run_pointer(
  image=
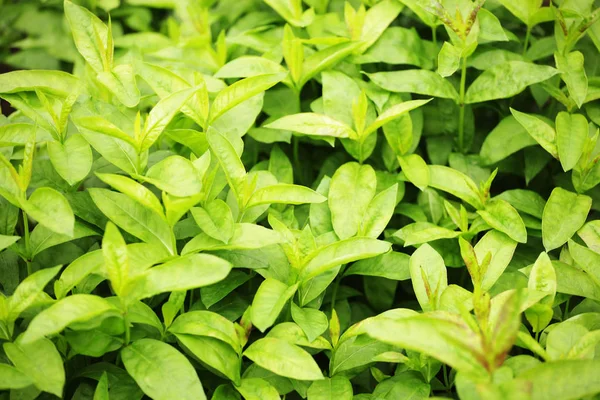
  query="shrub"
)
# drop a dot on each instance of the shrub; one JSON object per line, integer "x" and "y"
{"x": 333, "y": 200}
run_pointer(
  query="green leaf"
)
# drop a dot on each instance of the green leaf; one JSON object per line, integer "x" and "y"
{"x": 162, "y": 114}
{"x": 571, "y": 135}
{"x": 543, "y": 133}
{"x": 257, "y": 389}
{"x": 508, "y": 137}
{"x": 51, "y": 209}
{"x": 71, "y": 159}
{"x": 377, "y": 19}
{"x": 338, "y": 387}
{"x": 175, "y": 175}
{"x": 228, "y": 159}
{"x": 526, "y": 201}
{"x": 456, "y": 183}
{"x": 448, "y": 60}
{"x": 7, "y": 241}
{"x": 573, "y": 73}
{"x": 392, "y": 265}
{"x": 213, "y": 353}
{"x": 283, "y": 193}
{"x": 554, "y": 379}
{"x": 379, "y": 212}
{"x": 542, "y": 278}
{"x": 499, "y": 214}
{"x": 248, "y": 66}
{"x": 507, "y": 80}
{"x": 501, "y": 248}
{"x": 245, "y": 237}
{"x": 269, "y": 300}
{"x": 120, "y": 80}
{"x": 54, "y": 82}
{"x": 40, "y": 362}
{"x": 90, "y": 35}
{"x": 342, "y": 252}
{"x": 437, "y": 334}
{"x": 394, "y": 112}
{"x": 347, "y": 212}
{"x": 419, "y": 81}
{"x": 208, "y": 324}
{"x": 564, "y": 213}
{"x": 313, "y": 322}
{"x": 586, "y": 259}
{"x": 133, "y": 218}
{"x": 313, "y": 125}
{"x": 415, "y": 169}
{"x": 240, "y": 91}
{"x": 12, "y": 378}
{"x": 29, "y": 289}
{"x": 161, "y": 371}
{"x": 428, "y": 275}
{"x": 133, "y": 190}
{"x": 116, "y": 260}
{"x": 284, "y": 359}
{"x": 71, "y": 309}
{"x": 183, "y": 273}
{"x": 324, "y": 59}
{"x": 215, "y": 219}
{"x": 101, "y": 392}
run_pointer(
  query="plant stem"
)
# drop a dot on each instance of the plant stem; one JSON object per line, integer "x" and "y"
{"x": 27, "y": 245}
{"x": 527, "y": 37}
{"x": 434, "y": 36}
{"x": 446, "y": 381}
{"x": 461, "y": 105}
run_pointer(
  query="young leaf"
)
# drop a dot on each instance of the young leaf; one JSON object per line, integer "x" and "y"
{"x": 270, "y": 298}
{"x": 313, "y": 125}
{"x": 347, "y": 211}
{"x": 506, "y": 80}
{"x": 71, "y": 159}
{"x": 51, "y": 209}
{"x": 284, "y": 359}
{"x": 499, "y": 214}
{"x": 133, "y": 218}
{"x": 215, "y": 219}
{"x": 415, "y": 169}
{"x": 175, "y": 175}
{"x": 428, "y": 275}
{"x": 417, "y": 81}
{"x": 71, "y": 309}
{"x": 183, "y": 273}
{"x": 41, "y": 362}
{"x": 241, "y": 91}
{"x": 543, "y": 133}
{"x": 338, "y": 387}
{"x": 284, "y": 194}
{"x": 564, "y": 213}
{"x": 573, "y": 73}
{"x": 571, "y": 134}
{"x": 161, "y": 371}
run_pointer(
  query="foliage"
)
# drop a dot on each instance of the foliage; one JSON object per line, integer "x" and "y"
{"x": 324, "y": 199}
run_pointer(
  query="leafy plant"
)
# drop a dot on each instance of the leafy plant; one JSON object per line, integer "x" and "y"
{"x": 323, "y": 199}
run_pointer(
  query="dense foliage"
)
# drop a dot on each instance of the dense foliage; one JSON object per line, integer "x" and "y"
{"x": 332, "y": 200}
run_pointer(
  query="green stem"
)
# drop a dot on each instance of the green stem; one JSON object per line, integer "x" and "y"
{"x": 461, "y": 105}
{"x": 446, "y": 380}
{"x": 434, "y": 36}
{"x": 527, "y": 38}
{"x": 27, "y": 245}
{"x": 566, "y": 312}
